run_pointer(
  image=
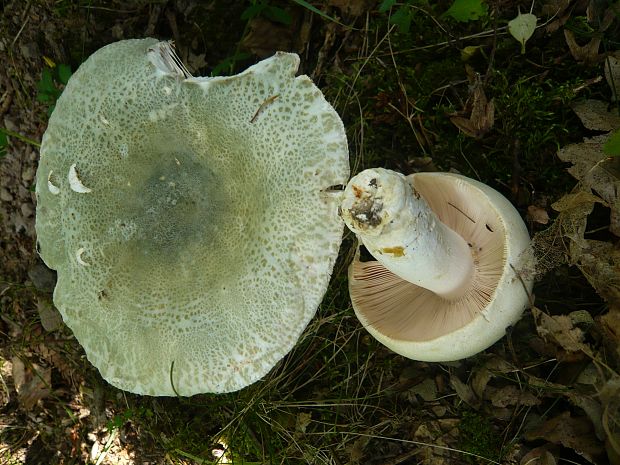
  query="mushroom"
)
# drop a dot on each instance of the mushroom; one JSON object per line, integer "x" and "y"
{"x": 442, "y": 285}
{"x": 192, "y": 221}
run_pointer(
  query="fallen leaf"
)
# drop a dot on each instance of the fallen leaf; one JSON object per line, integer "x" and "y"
{"x": 6, "y": 370}
{"x": 356, "y": 450}
{"x": 482, "y": 116}
{"x": 572, "y": 432}
{"x": 265, "y": 37}
{"x": 561, "y": 329}
{"x": 590, "y": 404}
{"x": 511, "y": 395}
{"x": 610, "y": 397}
{"x": 610, "y": 330}
{"x": 587, "y": 53}
{"x": 427, "y": 390}
{"x": 590, "y": 375}
{"x": 537, "y": 214}
{"x": 50, "y": 317}
{"x": 32, "y": 382}
{"x": 585, "y": 156}
{"x": 443, "y": 433}
{"x": 302, "y": 421}
{"x": 557, "y": 12}
{"x": 562, "y": 242}
{"x": 465, "y": 393}
{"x": 612, "y": 74}
{"x": 539, "y": 456}
{"x": 600, "y": 263}
{"x": 594, "y": 114}
{"x": 590, "y": 164}
{"x": 482, "y": 375}
{"x": 574, "y": 210}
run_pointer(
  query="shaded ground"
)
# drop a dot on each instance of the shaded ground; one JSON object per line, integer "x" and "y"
{"x": 418, "y": 90}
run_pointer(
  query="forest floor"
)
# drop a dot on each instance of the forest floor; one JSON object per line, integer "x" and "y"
{"x": 420, "y": 86}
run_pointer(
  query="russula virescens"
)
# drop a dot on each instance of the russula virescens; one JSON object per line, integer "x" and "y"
{"x": 443, "y": 286}
{"x": 191, "y": 220}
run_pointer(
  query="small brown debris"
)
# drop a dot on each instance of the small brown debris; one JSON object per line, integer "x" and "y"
{"x": 537, "y": 214}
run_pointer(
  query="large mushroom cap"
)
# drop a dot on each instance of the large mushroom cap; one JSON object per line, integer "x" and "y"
{"x": 190, "y": 219}
{"x": 421, "y": 325}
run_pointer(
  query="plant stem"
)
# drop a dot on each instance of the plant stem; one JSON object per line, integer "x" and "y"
{"x": 20, "y": 137}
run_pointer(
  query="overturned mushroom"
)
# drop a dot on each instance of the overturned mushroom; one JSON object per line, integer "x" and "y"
{"x": 443, "y": 286}
{"x": 194, "y": 235}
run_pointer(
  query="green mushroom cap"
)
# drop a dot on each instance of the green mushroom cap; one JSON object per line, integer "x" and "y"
{"x": 190, "y": 219}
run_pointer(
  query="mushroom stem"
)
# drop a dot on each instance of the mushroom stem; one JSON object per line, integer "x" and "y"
{"x": 400, "y": 230}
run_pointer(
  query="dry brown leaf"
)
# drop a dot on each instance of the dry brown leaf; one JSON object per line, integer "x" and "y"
{"x": 595, "y": 115}
{"x": 612, "y": 74}
{"x": 50, "y": 317}
{"x": 443, "y": 432}
{"x": 465, "y": 393}
{"x": 561, "y": 329}
{"x": 610, "y": 330}
{"x": 590, "y": 375}
{"x": 539, "y": 456}
{"x": 302, "y": 420}
{"x": 555, "y": 9}
{"x": 356, "y": 450}
{"x": 610, "y": 397}
{"x": 6, "y": 370}
{"x": 482, "y": 115}
{"x": 600, "y": 263}
{"x": 510, "y": 395}
{"x": 265, "y": 37}
{"x": 592, "y": 407}
{"x": 574, "y": 210}
{"x": 580, "y": 200}
{"x": 537, "y": 214}
{"x": 609, "y": 15}
{"x": 32, "y": 382}
{"x": 573, "y": 432}
{"x": 550, "y": 247}
{"x": 427, "y": 390}
{"x": 591, "y": 166}
{"x": 483, "y": 374}
{"x": 584, "y": 156}
{"x": 587, "y": 53}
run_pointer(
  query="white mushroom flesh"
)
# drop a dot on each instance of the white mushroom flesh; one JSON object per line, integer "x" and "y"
{"x": 397, "y": 226}
{"x": 75, "y": 183}
{"x": 78, "y": 257}
{"x": 50, "y": 185}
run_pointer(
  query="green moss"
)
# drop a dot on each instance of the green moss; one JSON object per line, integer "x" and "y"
{"x": 478, "y": 437}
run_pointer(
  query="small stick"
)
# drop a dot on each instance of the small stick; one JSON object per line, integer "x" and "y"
{"x": 263, "y": 105}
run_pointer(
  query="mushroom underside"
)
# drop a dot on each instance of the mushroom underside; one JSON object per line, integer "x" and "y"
{"x": 403, "y": 311}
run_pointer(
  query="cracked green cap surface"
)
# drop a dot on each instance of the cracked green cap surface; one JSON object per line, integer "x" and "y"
{"x": 190, "y": 219}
